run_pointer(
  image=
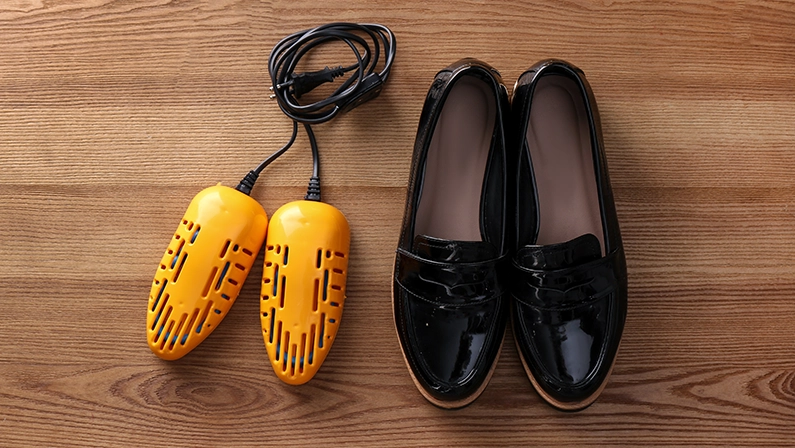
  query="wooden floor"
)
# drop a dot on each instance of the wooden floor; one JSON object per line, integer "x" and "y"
{"x": 114, "y": 114}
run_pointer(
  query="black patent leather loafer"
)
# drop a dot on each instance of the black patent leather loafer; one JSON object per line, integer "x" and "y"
{"x": 448, "y": 288}
{"x": 569, "y": 273}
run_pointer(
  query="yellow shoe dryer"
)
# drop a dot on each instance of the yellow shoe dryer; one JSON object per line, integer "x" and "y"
{"x": 206, "y": 264}
{"x": 203, "y": 269}
{"x": 303, "y": 287}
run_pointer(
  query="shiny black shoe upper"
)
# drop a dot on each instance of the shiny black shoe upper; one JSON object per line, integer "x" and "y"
{"x": 570, "y": 285}
{"x": 448, "y": 290}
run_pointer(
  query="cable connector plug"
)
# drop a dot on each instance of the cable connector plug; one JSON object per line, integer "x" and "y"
{"x": 247, "y": 183}
{"x": 303, "y": 83}
{"x": 313, "y": 191}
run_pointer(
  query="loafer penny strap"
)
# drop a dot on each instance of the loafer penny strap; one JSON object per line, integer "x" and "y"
{"x": 450, "y": 283}
{"x": 567, "y": 288}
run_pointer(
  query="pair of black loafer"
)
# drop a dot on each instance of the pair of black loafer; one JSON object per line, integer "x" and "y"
{"x": 510, "y": 215}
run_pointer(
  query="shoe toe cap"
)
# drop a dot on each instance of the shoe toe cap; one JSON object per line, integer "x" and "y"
{"x": 567, "y": 351}
{"x": 451, "y": 350}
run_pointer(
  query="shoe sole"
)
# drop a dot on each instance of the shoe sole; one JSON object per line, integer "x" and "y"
{"x": 435, "y": 401}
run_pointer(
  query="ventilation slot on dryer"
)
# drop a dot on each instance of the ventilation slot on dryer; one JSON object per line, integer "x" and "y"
{"x": 163, "y": 324}
{"x": 177, "y": 331}
{"x": 187, "y": 331}
{"x": 311, "y": 358}
{"x": 195, "y": 234}
{"x": 204, "y": 315}
{"x": 160, "y": 312}
{"x": 159, "y": 294}
{"x": 179, "y": 268}
{"x": 221, "y": 278}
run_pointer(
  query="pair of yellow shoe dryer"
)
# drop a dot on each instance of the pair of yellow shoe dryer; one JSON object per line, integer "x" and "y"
{"x": 210, "y": 256}
{"x": 306, "y": 242}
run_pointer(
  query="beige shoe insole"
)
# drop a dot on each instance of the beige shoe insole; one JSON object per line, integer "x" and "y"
{"x": 449, "y": 204}
{"x": 558, "y": 135}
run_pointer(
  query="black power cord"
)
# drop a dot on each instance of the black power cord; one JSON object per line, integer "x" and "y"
{"x": 288, "y": 87}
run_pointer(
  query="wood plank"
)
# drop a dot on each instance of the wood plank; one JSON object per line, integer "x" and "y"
{"x": 114, "y": 114}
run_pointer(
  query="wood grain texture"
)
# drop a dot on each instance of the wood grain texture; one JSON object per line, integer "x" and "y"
{"x": 114, "y": 114}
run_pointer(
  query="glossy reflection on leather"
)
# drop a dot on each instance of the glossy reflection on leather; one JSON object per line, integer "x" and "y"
{"x": 448, "y": 344}
{"x": 449, "y": 287}
{"x": 569, "y": 295}
{"x": 569, "y": 344}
